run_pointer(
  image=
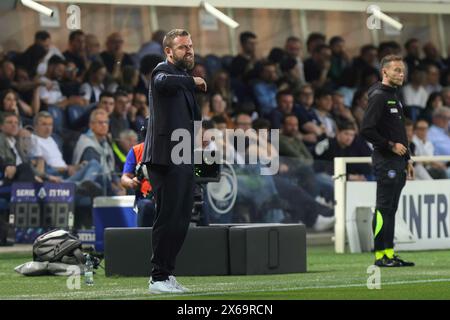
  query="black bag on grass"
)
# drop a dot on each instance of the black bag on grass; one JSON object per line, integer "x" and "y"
{"x": 58, "y": 246}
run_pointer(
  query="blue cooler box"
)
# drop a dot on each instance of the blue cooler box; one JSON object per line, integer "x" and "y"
{"x": 112, "y": 212}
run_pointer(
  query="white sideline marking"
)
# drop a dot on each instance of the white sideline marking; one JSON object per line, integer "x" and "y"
{"x": 306, "y": 288}
{"x": 146, "y": 294}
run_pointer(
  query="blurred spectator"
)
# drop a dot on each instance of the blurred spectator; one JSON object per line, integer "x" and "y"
{"x": 363, "y": 65}
{"x": 433, "y": 76}
{"x": 114, "y": 57}
{"x": 44, "y": 39}
{"x": 412, "y": 58}
{"x": 51, "y": 93}
{"x": 200, "y": 70}
{"x": 310, "y": 124}
{"x": 92, "y": 48}
{"x": 414, "y": 93}
{"x": 28, "y": 90}
{"x": 294, "y": 50}
{"x": 121, "y": 146}
{"x": 424, "y": 147}
{"x": 343, "y": 145}
{"x": 10, "y": 102}
{"x": 127, "y": 81}
{"x": 139, "y": 111}
{"x": 218, "y": 107}
{"x": 434, "y": 101}
{"x": 339, "y": 58}
{"x": 15, "y": 165}
{"x": 285, "y": 107}
{"x": 265, "y": 88}
{"x": 76, "y": 52}
{"x": 119, "y": 117}
{"x": 290, "y": 76}
{"x": 244, "y": 62}
{"x": 359, "y": 106}
{"x": 93, "y": 86}
{"x": 446, "y": 96}
{"x": 323, "y": 104}
{"x": 318, "y": 66}
{"x": 7, "y": 74}
{"x": 153, "y": 47}
{"x": 314, "y": 40}
{"x": 45, "y": 149}
{"x": 221, "y": 84}
{"x": 147, "y": 64}
{"x": 70, "y": 86}
{"x": 432, "y": 56}
{"x": 387, "y": 48}
{"x": 439, "y": 131}
{"x": 31, "y": 58}
{"x": 339, "y": 110}
{"x": 94, "y": 145}
{"x": 106, "y": 103}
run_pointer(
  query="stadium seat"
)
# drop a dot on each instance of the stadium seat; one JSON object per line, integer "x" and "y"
{"x": 58, "y": 118}
{"x": 74, "y": 112}
{"x": 213, "y": 64}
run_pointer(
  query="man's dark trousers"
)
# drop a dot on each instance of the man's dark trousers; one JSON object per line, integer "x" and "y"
{"x": 390, "y": 173}
{"x": 173, "y": 186}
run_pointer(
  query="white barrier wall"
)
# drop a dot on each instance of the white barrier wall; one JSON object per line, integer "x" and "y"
{"x": 424, "y": 207}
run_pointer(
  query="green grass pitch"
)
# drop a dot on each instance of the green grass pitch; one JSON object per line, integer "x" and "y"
{"x": 329, "y": 276}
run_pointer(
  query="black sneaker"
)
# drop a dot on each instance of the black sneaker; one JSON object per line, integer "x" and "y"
{"x": 403, "y": 263}
{"x": 386, "y": 262}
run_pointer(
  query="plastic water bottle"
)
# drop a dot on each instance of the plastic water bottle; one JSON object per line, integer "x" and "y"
{"x": 89, "y": 271}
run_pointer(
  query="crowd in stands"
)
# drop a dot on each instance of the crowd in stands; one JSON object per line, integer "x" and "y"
{"x": 72, "y": 114}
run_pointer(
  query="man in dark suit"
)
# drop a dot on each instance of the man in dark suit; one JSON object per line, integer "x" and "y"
{"x": 172, "y": 107}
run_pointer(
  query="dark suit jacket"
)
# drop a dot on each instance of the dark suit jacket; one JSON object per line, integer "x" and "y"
{"x": 172, "y": 106}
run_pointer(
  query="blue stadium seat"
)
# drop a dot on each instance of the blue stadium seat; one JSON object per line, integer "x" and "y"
{"x": 213, "y": 64}
{"x": 74, "y": 112}
{"x": 226, "y": 62}
{"x": 58, "y": 118}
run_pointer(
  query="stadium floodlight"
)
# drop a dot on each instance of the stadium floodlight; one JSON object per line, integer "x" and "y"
{"x": 384, "y": 17}
{"x": 38, "y": 7}
{"x": 220, "y": 15}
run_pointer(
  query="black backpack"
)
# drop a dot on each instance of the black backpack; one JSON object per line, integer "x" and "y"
{"x": 58, "y": 246}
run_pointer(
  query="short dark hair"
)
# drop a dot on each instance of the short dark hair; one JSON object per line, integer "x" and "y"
{"x": 345, "y": 125}
{"x": 388, "y": 59}
{"x": 366, "y": 48}
{"x": 288, "y": 116}
{"x": 41, "y": 35}
{"x": 261, "y": 123}
{"x": 120, "y": 93}
{"x": 283, "y": 93}
{"x": 321, "y": 47}
{"x": 5, "y": 115}
{"x": 218, "y": 119}
{"x": 315, "y": 36}
{"x": 106, "y": 94}
{"x": 245, "y": 36}
{"x": 293, "y": 39}
{"x": 172, "y": 34}
{"x": 335, "y": 39}
{"x": 320, "y": 93}
{"x": 75, "y": 34}
{"x": 55, "y": 59}
{"x": 409, "y": 122}
{"x": 409, "y": 42}
{"x": 149, "y": 62}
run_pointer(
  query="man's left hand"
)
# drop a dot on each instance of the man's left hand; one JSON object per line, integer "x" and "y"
{"x": 410, "y": 170}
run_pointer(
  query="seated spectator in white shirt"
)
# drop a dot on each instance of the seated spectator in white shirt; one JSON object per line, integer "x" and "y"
{"x": 439, "y": 131}
{"x": 323, "y": 106}
{"x": 414, "y": 93}
{"x": 424, "y": 147}
{"x": 50, "y": 159}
